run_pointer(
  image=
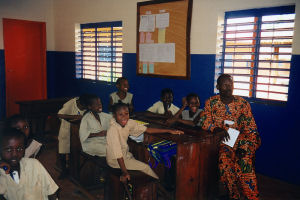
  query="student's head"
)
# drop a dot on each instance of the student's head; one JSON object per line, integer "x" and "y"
{"x": 12, "y": 146}
{"x": 121, "y": 113}
{"x": 166, "y": 96}
{"x": 122, "y": 84}
{"x": 225, "y": 85}
{"x": 20, "y": 123}
{"x": 82, "y": 101}
{"x": 93, "y": 103}
{"x": 193, "y": 102}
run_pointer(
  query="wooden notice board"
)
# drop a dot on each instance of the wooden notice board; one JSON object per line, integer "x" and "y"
{"x": 163, "y": 38}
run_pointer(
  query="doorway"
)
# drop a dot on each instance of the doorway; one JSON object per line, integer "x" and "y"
{"x": 25, "y": 62}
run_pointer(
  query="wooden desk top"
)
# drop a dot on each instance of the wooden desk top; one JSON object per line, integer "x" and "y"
{"x": 44, "y": 101}
{"x": 191, "y": 134}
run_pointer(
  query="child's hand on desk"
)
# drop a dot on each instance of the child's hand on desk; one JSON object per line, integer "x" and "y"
{"x": 5, "y": 167}
{"x": 77, "y": 117}
{"x": 124, "y": 177}
{"x": 175, "y": 132}
{"x": 170, "y": 121}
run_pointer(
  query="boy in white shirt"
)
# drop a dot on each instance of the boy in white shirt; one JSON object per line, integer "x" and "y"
{"x": 165, "y": 106}
{"x": 22, "y": 178}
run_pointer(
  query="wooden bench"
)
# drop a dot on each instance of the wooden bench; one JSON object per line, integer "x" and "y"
{"x": 85, "y": 170}
{"x": 144, "y": 186}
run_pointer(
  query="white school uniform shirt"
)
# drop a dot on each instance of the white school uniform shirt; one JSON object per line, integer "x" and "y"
{"x": 69, "y": 108}
{"x": 158, "y": 108}
{"x": 117, "y": 137}
{"x": 116, "y": 98}
{"x": 35, "y": 182}
{"x": 186, "y": 115}
{"x": 89, "y": 124}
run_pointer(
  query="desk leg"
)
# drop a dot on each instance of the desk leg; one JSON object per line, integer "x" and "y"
{"x": 187, "y": 171}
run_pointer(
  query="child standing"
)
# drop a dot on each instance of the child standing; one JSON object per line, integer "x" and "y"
{"x": 93, "y": 128}
{"x": 122, "y": 95}
{"x": 72, "y": 110}
{"x": 26, "y": 177}
{"x": 118, "y": 155}
{"x": 20, "y": 123}
{"x": 189, "y": 117}
{"x": 165, "y": 106}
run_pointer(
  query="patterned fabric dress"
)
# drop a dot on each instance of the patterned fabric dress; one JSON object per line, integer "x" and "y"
{"x": 237, "y": 174}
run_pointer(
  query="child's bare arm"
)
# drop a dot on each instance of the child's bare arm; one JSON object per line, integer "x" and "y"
{"x": 125, "y": 175}
{"x": 159, "y": 130}
{"x": 184, "y": 105}
{"x": 99, "y": 134}
{"x": 186, "y": 122}
{"x": 69, "y": 117}
{"x": 151, "y": 114}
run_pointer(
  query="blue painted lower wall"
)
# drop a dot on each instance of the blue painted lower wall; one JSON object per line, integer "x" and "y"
{"x": 279, "y": 155}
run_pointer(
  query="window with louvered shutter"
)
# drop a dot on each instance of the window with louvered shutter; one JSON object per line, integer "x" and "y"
{"x": 99, "y": 51}
{"x": 256, "y": 49}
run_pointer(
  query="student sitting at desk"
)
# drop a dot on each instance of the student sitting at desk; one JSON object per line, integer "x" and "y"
{"x": 122, "y": 95}
{"x": 93, "y": 128}
{"x": 224, "y": 114}
{"x": 118, "y": 155}
{"x": 20, "y": 123}
{"x": 165, "y": 106}
{"x": 22, "y": 178}
{"x": 189, "y": 117}
{"x": 71, "y": 110}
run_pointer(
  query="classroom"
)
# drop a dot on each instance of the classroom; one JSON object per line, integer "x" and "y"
{"x": 276, "y": 120}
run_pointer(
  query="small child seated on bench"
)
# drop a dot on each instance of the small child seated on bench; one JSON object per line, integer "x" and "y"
{"x": 117, "y": 154}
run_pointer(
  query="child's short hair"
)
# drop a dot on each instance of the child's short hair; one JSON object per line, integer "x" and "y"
{"x": 118, "y": 106}
{"x": 14, "y": 119}
{"x": 166, "y": 91}
{"x": 119, "y": 80}
{"x": 192, "y": 95}
{"x": 90, "y": 98}
{"x": 9, "y": 133}
{"x": 83, "y": 99}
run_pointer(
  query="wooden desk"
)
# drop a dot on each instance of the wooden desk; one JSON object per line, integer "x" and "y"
{"x": 37, "y": 111}
{"x": 196, "y": 159}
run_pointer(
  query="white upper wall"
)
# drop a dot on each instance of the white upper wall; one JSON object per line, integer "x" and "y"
{"x": 205, "y": 17}
{"x": 62, "y": 15}
{"x": 33, "y": 10}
